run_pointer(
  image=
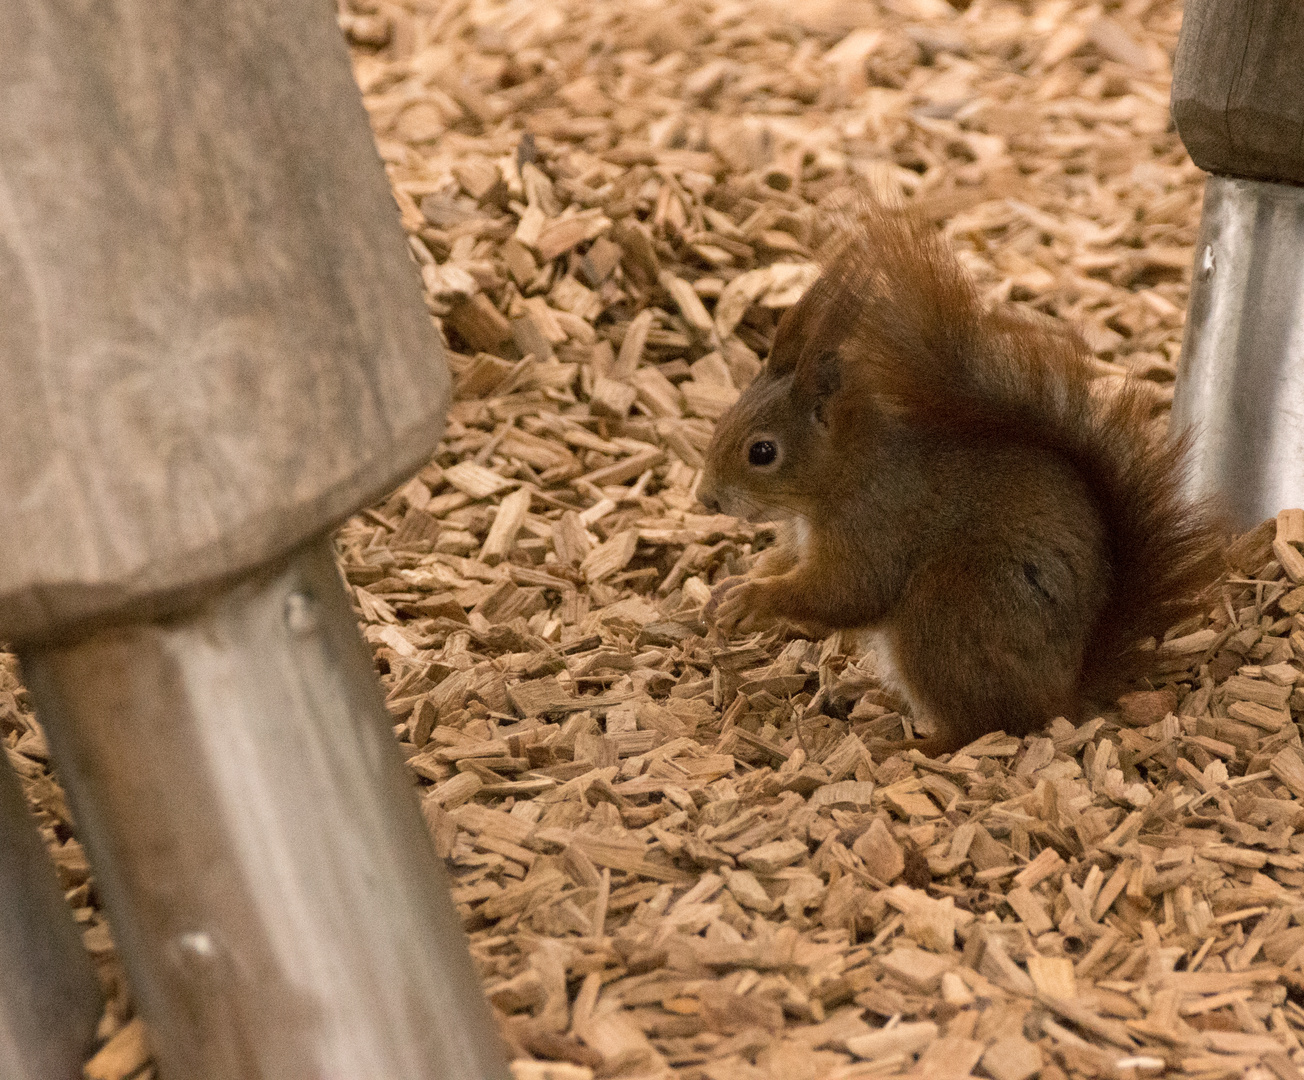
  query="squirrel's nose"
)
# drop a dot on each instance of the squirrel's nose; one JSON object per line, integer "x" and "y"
{"x": 707, "y": 497}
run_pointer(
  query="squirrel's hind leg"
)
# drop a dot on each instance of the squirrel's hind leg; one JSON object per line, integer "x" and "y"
{"x": 943, "y": 739}
{"x": 978, "y": 655}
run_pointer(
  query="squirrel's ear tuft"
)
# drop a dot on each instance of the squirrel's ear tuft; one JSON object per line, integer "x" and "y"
{"x": 819, "y": 378}
{"x": 786, "y": 349}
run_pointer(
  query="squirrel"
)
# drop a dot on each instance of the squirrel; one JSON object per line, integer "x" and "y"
{"x": 952, "y": 481}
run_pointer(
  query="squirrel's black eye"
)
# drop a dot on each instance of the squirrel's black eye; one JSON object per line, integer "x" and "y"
{"x": 762, "y": 452}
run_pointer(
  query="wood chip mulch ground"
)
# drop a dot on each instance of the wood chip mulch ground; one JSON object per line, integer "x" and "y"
{"x": 675, "y": 855}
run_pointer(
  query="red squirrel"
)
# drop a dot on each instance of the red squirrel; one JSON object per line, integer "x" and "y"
{"x": 953, "y": 482}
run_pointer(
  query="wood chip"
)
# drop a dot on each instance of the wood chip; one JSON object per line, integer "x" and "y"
{"x": 502, "y": 534}
{"x": 689, "y": 303}
{"x": 880, "y": 852}
{"x": 120, "y": 1057}
{"x": 1012, "y": 1058}
{"x": 609, "y": 557}
{"x": 475, "y": 480}
{"x": 919, "y": 969}
{"x": 902, "y": 1040}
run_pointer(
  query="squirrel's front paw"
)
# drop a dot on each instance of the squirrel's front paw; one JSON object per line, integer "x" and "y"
{"x": 718, "y": 594}
{"x": 737, "y": 604}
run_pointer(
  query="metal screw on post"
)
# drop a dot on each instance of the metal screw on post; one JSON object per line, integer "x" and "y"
{"x": 1238, "y": 101}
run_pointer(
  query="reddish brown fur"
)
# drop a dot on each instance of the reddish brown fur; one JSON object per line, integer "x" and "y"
{"x": 1015, "y": 535}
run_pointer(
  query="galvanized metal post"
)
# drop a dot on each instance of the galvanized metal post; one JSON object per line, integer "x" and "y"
{"x": 1241, "y": 384}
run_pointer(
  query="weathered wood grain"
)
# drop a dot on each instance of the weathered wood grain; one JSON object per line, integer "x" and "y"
{"x": 1238, "y": 94}
{"x": 212, "y": 344}
{"x": 279, "y": 908}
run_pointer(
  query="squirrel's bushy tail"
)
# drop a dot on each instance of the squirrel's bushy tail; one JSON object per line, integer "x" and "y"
{"x": 932, "y": 353}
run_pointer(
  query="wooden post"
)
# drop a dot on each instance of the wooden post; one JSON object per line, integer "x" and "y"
{"x": 213, "y": 348}
{"x": 1238, "y": 101}
{"x": 51, "y": 1003}
{"x": 257, "y": 843}
{"x": 1238, "y": 92}
{"x": 214, "y": 344}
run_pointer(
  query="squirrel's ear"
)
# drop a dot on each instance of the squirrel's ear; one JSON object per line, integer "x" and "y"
{"x": 819, "y": 379}
{"x": 786, "y": 351}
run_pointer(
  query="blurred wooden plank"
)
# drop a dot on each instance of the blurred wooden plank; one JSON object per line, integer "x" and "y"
{"x": 1238, "y": 98}
{"x": 214, "y": 345}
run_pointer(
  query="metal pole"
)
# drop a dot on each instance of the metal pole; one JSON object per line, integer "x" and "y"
{"x": 1240, "y": 385}
{"x": 257, "y": 842}
{"x": 51, "y": 1003}
{"x": 1238, "y": 102}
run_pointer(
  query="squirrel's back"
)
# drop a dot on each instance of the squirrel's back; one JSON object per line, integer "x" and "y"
{"x": 896, "y": 305}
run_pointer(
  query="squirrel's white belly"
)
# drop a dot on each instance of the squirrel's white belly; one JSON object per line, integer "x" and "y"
{"x": 885, "y": 665}
{"x": 888, "y": 673}
{"x": 801, "y": 535}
